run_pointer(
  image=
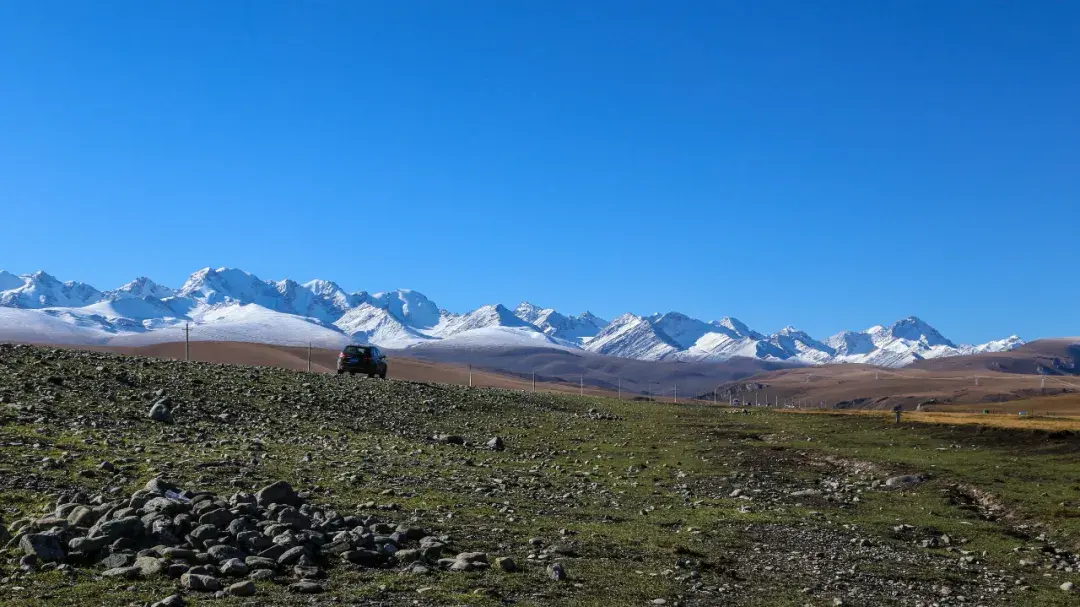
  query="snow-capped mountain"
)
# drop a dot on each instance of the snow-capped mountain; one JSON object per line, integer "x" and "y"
{"x": 230, "y": 304}
{"x": 40, "y": 290}
{"x": 632, "y": 336}
{"x": 581, "y": 328}
{"x": 140, "y": 288}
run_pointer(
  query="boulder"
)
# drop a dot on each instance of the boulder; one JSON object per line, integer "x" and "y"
{"x": 203, "y": 583}
{"x": 45, "y": 547}
{"x": 280, "y": 492}
{"x": 242, "y": 589}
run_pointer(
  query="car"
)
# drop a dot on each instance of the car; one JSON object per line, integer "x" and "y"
{"x": 362, "y": 359}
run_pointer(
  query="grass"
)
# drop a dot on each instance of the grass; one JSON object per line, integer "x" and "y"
{"x": 643, "y": 503}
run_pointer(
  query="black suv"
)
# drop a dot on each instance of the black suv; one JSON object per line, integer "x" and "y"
{"x": 362, "y": 359}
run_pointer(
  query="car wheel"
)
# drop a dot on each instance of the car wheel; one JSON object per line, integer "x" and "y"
{"x": 339, "y": 371}
{"x": 383, "y": 374}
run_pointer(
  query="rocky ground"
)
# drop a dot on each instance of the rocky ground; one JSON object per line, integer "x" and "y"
{"x": 131, "y": 481}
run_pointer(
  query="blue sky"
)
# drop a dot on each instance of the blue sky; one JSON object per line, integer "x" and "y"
{"x": 830, "y": 165}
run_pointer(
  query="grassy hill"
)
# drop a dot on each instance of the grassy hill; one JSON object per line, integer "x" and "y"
{"x": 637, "y": 502}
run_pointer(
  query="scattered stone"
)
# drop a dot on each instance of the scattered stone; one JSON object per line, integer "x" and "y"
{"x": 556, "y": 572}
{"x": 172, "y": 601}
{"x": 242, "y": 589}
{"x": 262, "y": 574}
{"x": 160, "y": 413}
{"x": 306, "y": 588}
{"x": 43, "y": 546}
{"x": 280, "y": 492}
{"x": 203, "y": 583}
{"x": 127, "y": 573}
{"x": 1068, "y": 587}
{"x": 234, "y": 568}
{"x": 907, "y": 480}
{"x": 506, "y": 564}
{"x": 496, "y": 444}
{"x": 149, "y": 566}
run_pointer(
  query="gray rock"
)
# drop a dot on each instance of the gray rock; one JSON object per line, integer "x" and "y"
{"x": 364, "y": 558}
{"x": 450, "y": 439}
{"x": 463, "y": 566}
{"x": 805, "y": 493}
{"x": 117, "y": 560}
{"x": 127, "y": 527}
{"x": 506, "y": 564}
{"x": 178, "y": 554}
{"x": 1068, "y": 587}
{"x": 291, "y": 556}
{"x": 160, "y": 486}
{"x": 149, "y": 566}
{"x": 495, "y": 444}
{"x": 407, "y": 556}
{"x": 242, "y": 589}
{"x": 160, "y": 413}
{"x": 204, "y": 583}
{"x": 81, "y": 516}
{"x": 306, "y": 588}
{"x": 280, "y": 492}
{"x": 906, "y": 480}
{"x": 556, "y": 572}
{"x": 219, "y": 518}
{"x": 172, "y": 601}
{"x": 234, "y": 568}
{"x": 262, "y": 574}
{"x": 225, "y": 552}
{"x": 126, "y": 573}
{"x": 45, "y": 547}
{"x": 166, "y": 506}
{"x": 205, "y": 532}
{"x": 258, "y": 562}
{"x": 473, "y": 557}
{"x": 87, "y": 545}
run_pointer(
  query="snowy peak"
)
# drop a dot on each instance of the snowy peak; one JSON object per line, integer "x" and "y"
{"x": 530, "y": 313}
{"x": 240, "y": 304}
{"x": 912, "y": 329}
{"x": 851, "y": 343}
{"x": 736, "y": 328}
{"x": 680, "y": 328}
{"x": 552, "y": 323}
{"x": 411, "y": 307}
{"x": 41, "y": 290}
{"x": 141, "y": 288}
{"x": 227, "y": 285}
{"x": 632, "y": 336}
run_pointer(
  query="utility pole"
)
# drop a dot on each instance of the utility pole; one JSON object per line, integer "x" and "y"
{"x": 620, "y": 387}
{"x": 187, "y": 341}
{"x": 470, "y": 376}
{"x": 581, "y": 385}
{"x": 976, "y": 380}
{"x": 534, "y": 381}
{"x": 309, "y": 357}
{"x": 676, "y": 394}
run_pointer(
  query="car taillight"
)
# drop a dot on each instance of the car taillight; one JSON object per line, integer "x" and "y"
{"x": 342, "y": 355}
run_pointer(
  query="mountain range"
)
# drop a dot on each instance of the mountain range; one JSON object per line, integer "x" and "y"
{"x": 233, "y": 305}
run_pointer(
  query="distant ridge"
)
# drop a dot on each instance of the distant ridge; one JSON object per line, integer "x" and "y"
{"x": 234, "y": 305}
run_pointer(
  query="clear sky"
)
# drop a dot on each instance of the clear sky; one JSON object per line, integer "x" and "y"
{"x": 829, "y": 165}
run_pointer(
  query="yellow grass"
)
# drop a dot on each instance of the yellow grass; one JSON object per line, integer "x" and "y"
{"x": 994, "y": 420}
